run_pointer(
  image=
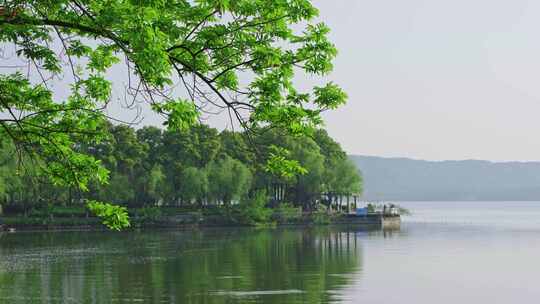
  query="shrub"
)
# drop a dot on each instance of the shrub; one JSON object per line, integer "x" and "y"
{"x": 38, "y": 213}
{"x": 287, "y": 213}
{"x": 253, "y": 211}
{"x": 149, "y": 214}
{"x": 320, "y": 217}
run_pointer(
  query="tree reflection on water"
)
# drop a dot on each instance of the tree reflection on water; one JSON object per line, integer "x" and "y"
{"x": 206, "y": 266}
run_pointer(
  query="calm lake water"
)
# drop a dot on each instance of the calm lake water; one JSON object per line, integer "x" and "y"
{"x": 463, "y": 252}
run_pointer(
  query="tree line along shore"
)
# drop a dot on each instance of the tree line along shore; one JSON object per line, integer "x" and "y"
{"x": 189, "y": 176}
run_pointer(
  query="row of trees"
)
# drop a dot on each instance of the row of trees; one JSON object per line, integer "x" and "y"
{"x": 196, "y": 167}
{"x": 184, "y": 59}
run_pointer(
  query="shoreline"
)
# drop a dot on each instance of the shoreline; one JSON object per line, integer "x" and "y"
{"x": 372, "y": 221}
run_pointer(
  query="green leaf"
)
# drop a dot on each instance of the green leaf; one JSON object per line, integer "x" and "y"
{"x": 278, "y": 164}
{"x": 114, "y": 217}
{"x": 181, "y": 114}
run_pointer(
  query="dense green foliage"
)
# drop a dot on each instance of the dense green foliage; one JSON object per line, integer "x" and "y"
{"x": 114, "y": 217}
{"x": 164, "y": 43}
{"x": 195, "y": 168}
{"x": 184, "y": 58}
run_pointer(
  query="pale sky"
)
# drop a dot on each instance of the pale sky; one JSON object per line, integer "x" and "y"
{"x": 432, "y": 79}
{"x": 437, "y": 79}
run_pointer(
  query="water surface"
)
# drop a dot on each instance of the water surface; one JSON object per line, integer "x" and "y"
{"x": 459, "y": 252}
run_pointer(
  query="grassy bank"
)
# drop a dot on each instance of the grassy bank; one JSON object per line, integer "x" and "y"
{"x": 65, "y": 218}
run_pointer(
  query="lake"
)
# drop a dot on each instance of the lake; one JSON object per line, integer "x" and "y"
{"x": 461, "y": 252}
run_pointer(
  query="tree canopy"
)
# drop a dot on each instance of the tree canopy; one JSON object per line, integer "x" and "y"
{"x": 186, "y": 59}
{"x": 156, "y": 173}
{"x": 183, "y": 57}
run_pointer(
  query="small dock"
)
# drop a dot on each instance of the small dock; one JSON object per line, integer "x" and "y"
{"x": 373, "y": 220}
{"x": 385, "y": 217}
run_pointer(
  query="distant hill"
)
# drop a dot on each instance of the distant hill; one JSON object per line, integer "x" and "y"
{"x": 417, "y": 180}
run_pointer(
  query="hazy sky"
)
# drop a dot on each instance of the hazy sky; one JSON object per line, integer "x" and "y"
{"x": 432, "y": 79}
{"x": 437, "y": 79}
